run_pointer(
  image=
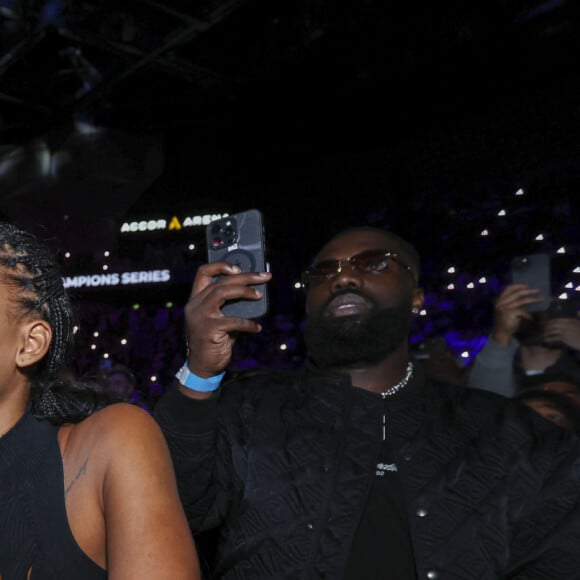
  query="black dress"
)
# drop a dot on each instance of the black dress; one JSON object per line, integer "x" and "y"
{"x": 34, "y": 530}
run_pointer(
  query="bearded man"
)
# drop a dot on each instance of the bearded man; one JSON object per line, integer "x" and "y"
{"x": 358, "y": 466}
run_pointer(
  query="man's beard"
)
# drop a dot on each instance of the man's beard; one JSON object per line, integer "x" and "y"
{"x": 344, "y": 342}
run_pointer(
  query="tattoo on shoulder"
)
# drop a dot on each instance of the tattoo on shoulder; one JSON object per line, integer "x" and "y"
{"x": 81, "y": 472}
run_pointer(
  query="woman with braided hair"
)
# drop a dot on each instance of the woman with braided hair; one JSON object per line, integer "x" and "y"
{"x": 87, "y": 488}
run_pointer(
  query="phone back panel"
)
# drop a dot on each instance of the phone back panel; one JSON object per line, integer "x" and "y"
{"x": 239, "y": 239}
{"x": 534, "y": 270}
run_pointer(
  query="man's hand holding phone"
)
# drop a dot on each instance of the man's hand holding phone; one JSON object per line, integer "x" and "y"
{"x": 510, "y": 309}
{"x": 564, "y": 332}
{"x": 210, "y": 334}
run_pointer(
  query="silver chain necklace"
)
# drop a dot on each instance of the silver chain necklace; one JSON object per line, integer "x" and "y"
{"x": 395, "y": 389}
{"x": 402, "y": 383}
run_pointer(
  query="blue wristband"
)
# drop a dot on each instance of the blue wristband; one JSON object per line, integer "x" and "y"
{"x": 191, "y": 381}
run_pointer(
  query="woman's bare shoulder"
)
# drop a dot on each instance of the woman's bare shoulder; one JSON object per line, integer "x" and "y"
{"x": 117, "y": 422}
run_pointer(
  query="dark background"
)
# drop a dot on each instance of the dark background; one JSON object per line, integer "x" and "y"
{"x": 312, "y": 110}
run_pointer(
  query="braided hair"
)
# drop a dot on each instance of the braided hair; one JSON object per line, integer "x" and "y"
{"x": 32, "y": 272}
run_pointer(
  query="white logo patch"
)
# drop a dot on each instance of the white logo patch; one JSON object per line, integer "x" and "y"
{"x": 382, "y": 467}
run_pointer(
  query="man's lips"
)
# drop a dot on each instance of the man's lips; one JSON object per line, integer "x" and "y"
{"x": 347, "y": 305}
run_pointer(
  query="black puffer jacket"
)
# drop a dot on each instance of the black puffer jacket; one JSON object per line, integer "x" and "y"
{"x": 284, "y": 464}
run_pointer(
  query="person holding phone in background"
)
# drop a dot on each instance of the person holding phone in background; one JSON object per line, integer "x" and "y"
{"x": 358, "y": 466}
{"x": 87, "y": 488}
{"x": 524, "y": 343}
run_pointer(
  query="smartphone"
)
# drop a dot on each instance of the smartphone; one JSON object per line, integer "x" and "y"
{"x": 534, "y": 270}
{"x": 240, "y": 239}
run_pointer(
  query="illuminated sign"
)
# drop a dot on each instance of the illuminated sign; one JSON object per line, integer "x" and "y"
{"x": 174, "y": 223}
{"x": 143, "y": 226}
{"x": 117, "y": 279}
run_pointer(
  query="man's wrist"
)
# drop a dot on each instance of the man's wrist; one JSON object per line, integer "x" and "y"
{"x": 501, "y": 337}
{"x": 192, "y": 381}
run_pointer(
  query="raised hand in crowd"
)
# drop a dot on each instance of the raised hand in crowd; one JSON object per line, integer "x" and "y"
{"x": 509, "y": 311}
{"x": 565, "y": 331}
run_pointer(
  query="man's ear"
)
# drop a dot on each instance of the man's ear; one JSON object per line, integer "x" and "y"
{"x": 36, "y": 338}
{"x": 418, "y": 299}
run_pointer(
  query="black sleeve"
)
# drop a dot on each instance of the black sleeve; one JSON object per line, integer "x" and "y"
{"x": 546, "y": 533}
{"x": 201, "y": 461}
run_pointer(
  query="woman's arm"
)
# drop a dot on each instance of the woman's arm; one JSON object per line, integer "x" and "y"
{"x": 147, "y": 534}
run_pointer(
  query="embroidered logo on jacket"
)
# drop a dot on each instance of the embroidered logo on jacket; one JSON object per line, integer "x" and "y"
{"x": 382, "y": 467}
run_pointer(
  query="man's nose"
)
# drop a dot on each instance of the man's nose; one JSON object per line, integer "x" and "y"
{"x": 348, "y": 276}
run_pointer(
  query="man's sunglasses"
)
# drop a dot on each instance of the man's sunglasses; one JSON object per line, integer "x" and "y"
{"x": 369, "y": 261}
